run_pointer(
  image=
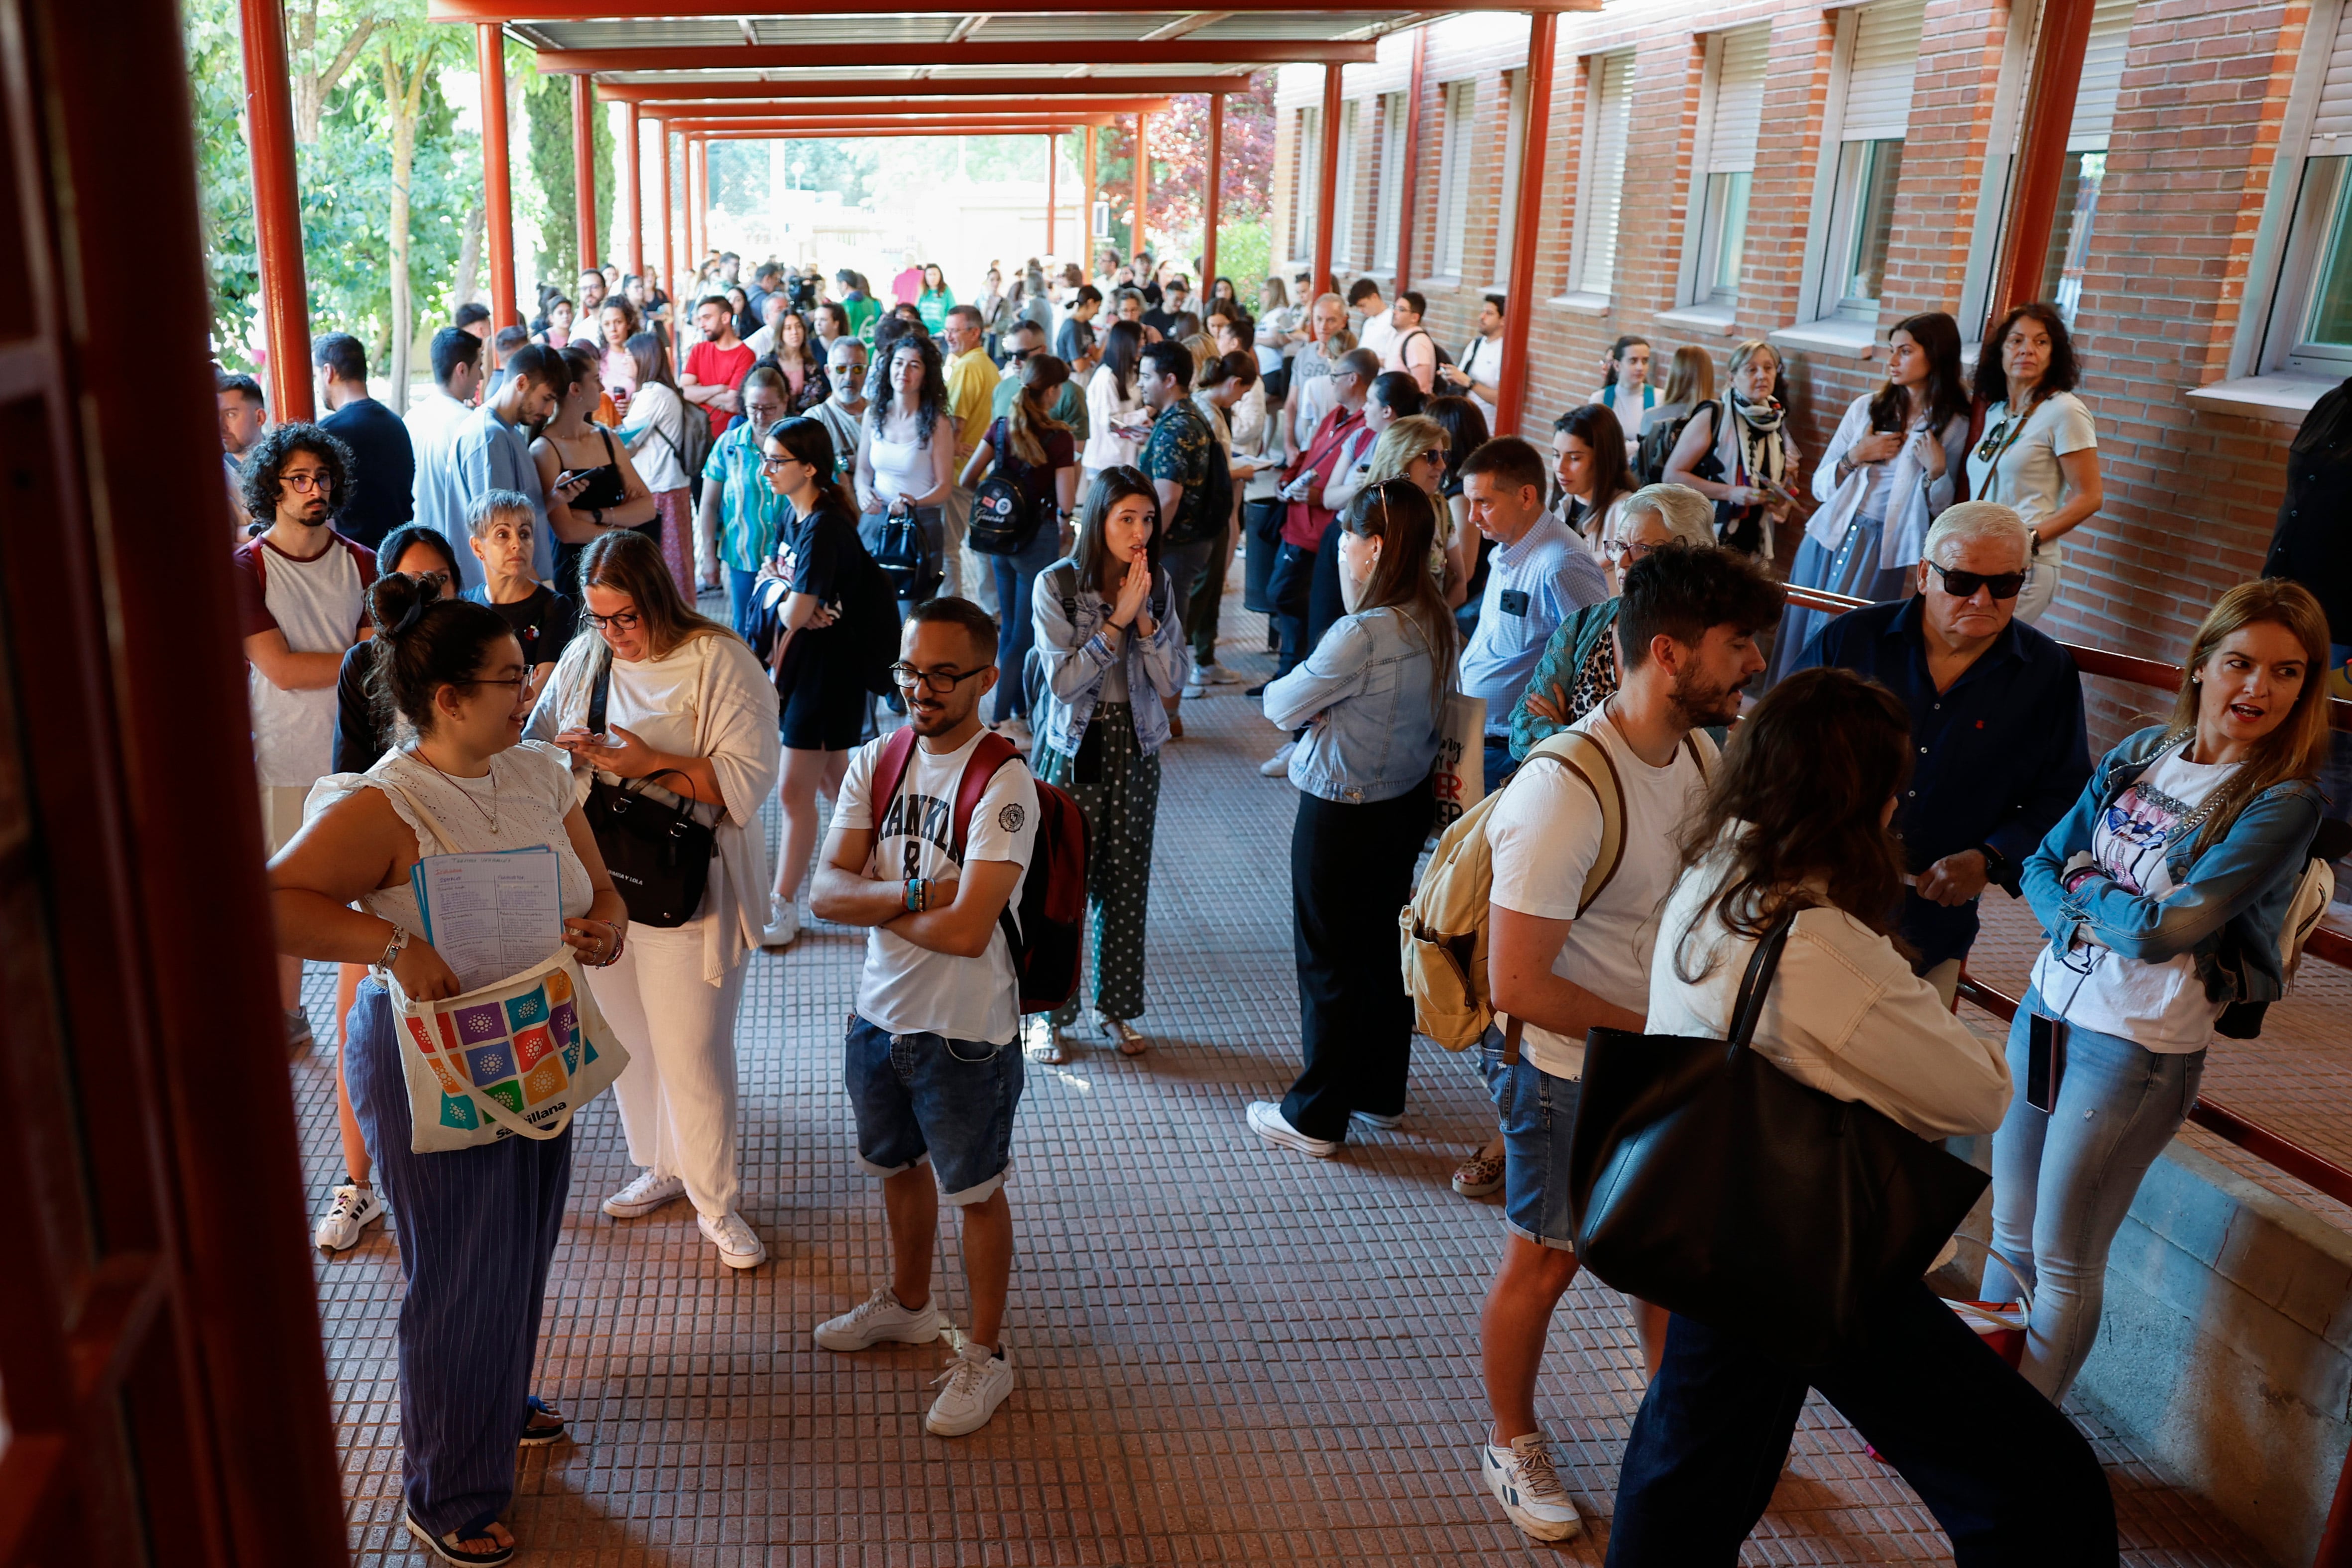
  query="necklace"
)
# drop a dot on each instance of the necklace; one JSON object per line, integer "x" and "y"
{"x": 491, "y": 816}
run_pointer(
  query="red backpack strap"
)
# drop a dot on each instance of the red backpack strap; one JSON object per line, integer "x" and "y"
{"x": 992, "y": 753}
{"x": 897, "y": 752}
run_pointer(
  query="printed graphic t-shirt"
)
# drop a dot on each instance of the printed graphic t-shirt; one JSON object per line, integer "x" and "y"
{"x": 906, "y": 989}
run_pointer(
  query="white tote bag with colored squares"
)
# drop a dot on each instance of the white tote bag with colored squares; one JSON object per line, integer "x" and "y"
{"x": 514, "y": 1057}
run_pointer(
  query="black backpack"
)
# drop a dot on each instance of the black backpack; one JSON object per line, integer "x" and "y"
{"x": 1657, "y": 444}
{"x": 1003, "y": 521}
{"x": 1443, "y": 357}
{"x": 869, "y": 608}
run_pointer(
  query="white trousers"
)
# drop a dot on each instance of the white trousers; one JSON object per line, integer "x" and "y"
{"x": 677, "y": 1093}
{"x": 968, "y": 577}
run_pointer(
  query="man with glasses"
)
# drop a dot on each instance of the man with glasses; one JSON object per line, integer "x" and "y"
{"x": 741, "y": 516}
{"x": 2001, "y": 751}
{"x": 1023, "y": 341}
{"x": 933, "y": 1061}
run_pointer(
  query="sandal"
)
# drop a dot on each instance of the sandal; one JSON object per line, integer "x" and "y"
{"x": 1122, "y": 1034}
{"x": 451, "y": 1548}
{"x": 551, "y": 1431}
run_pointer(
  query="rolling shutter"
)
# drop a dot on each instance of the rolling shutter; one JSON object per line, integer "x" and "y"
{"x": 2331, "y": 128}
{"x": 2103, "y": 76}
{"x": 1738, "y": 101}
{"x": 1612, "y": 102}
{"x": 1878, "y": 73}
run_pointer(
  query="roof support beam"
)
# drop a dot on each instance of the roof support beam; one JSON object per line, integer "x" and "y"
{"x": 1511, "y": 385}
{"x": 1405, "y": 214}
{"x": 735, "y": 133}
{"x": 1103, "y": 109}
{"x": 2064, "y": 37}
{"x": 1211, "y": 177}
{"x": 995, "y": 52}
{"x": 497, "y": 186}
{"x": 960, "y": 87}
{"x": 815, "y": 128}
{"x": 1327, "y": 185}
{"x": 596, "y": 10}
{"x": 634, "y": 244}
{"x": 583, "y": 166}
{"x": 277, "y": 213}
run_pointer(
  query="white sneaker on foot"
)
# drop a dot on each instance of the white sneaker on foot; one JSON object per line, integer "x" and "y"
{"x": 977, "y": 1383}
{"x": 783, "y": 926}
{"x": 1524, "y": 1481}
{"x": 1195, "y": 686}
{"x": 879, "y": 1318}
{"x": 1214, "y": 674}
{"x": 354, "y": 1208}
{"x": 1274, "y": 767}
{"x": 1266, "y": 1120}
{"x": 739, "y": 1247}
{"x": 1384, "y": 1123}
{"x": 645, "y": 1194}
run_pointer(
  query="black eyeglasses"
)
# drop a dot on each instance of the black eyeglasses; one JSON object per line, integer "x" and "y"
{"x": 619, "y": 620}
{"x": 906, "y": 677}
{"x": 1962, "y": 584}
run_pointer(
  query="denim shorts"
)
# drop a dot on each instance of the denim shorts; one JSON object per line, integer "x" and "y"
{"x": 920, "y": 1097}
{"x": 1538, "y": 1113}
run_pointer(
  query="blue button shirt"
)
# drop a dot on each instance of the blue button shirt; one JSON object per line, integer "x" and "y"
{"x": 1997, "y": 759}
{"x": 1532, "y": 585}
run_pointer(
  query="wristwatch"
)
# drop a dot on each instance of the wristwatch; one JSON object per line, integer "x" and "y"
{"x": 392, "y": 948}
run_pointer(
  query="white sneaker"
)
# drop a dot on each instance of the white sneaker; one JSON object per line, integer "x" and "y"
{"x": 738, "y": 1246}
{"x": 1215, "y": 675}
{"x": 879, "y": 1318}
{"x": 645, "y": 1194}
{"x": 354, "y": 1208}
{"x": 1522, "y": 1480}
{"x": 1384, "y": 1123}
{"x": 1274, "y": 767}
{"x": 1266, "y": 1120}
{"x": 977, "y": 1383}
{"x": 300, "y": 1040}
{"x": 1195, "y": 686}
{"x": 783, "y": 926}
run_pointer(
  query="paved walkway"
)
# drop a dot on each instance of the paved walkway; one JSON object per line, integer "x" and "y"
{"x": 1225, "y": 1355}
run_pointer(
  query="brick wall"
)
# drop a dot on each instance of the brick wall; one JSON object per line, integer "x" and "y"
{"x": 2191, "y": 494}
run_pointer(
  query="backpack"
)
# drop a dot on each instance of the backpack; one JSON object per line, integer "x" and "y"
{"x": 1442, "y": 932}
{"x": 1657, "y": 444}
{"x": 1443, "y": 357}
{"x": 869, "y": 608}
{"x": 692, "y": 451}
{"x": 1043, "y": 939}
{"x": 1003, "y": 521}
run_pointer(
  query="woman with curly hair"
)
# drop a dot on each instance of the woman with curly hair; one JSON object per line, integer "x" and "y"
{"x": 905, "y": 454}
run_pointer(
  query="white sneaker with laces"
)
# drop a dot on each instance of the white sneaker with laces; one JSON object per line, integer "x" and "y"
{"x": 1384, "y": 1123}
{"x": 1266, "y": 1120}
{"x": 977, "y": 1383}
{"x": 1274, "y": 767}
{"x": 645, "y": 1194}
{"x": 1195, "y": 686}
{"x": 783, "y": 926}
{"x": 1525, "y": 1482}
{"x": 738, "y": 1246}
{"x": 879, "y": 1318}
{"x": 354, "y": 1208}
{"x": 1215, "y": 675}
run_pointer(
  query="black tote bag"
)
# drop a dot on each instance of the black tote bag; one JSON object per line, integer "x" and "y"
{"x": 1706, "y": 1181}
{"x": 658, "y": 854}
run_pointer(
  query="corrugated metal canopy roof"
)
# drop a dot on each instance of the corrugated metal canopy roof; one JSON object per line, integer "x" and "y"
{"x": 881, "y": 30}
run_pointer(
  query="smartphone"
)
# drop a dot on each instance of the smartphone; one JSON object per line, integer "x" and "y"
{"x": 568, "y": 475}
{"x": 2045, "y": 1061}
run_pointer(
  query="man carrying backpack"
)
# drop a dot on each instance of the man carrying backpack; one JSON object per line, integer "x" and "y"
{"x": 930, "y": 856}
{"x": 1584, "y": 844}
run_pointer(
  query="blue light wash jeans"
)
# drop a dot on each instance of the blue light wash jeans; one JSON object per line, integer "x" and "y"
{"x": 1016, "y": 627}
{"x": 2063, "y": 1181}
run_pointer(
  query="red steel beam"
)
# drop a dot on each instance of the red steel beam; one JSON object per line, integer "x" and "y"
{"x": 498, "y": 188}
{"x": 1326, "y": 184}
{"x": 1209, "y": 179}
{"x": 1138, "y": 240}
{"x": 635, "y": 251}
{"x": 1412, "y": 159}
{"x": 276, "y": 211}
{"x": 2065, "y": 35}
{"x": 785, "y": 126}
{"x": 1087, "y": 207}
{"x": 504, "y": 11}
{"x": 1185, "y": 51}
{"x": 583, "y": 166}
{"x": 1511, "y": 386}
{"x": 736, "y": 133}
{"x": 782, "y": 102}
{"x": 688, "y": 89}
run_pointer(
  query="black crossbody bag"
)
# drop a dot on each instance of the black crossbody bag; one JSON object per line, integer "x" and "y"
{"x": 658, "y": 855}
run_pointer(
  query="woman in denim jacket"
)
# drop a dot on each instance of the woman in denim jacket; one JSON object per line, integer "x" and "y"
{"x": 1108, "y": 648}
{"x": 1371, "y": 696}
{"x": 2162, "y": 894}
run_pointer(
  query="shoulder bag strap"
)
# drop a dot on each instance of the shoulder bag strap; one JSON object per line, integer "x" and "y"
{"x": 897, "y": 754}
{"x": 599, "y": 692}
{"x": 992, "y": 753}
{"x": 1762, "y": 965}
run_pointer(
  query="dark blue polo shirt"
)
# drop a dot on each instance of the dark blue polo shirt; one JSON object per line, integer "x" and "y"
{"x": 1997, "y": 759}
{"x": 383, "y": 470}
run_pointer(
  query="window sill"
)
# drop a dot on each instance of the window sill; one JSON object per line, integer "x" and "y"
{"x": 2284, "y": 399}
{"x": 1701, "y": 319}
{"x": 1581, "y": 304}
{"x": 1450, "y": 280}
{"x": 1845, "y": 339}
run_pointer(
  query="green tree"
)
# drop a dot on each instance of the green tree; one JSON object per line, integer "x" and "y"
{"x": 552, "y": 170}
{"x": 406, "y": 56}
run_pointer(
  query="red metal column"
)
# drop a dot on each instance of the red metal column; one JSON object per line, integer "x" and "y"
{"x": 1412, "y": 155}
{"x": 1214, "y": 172}
{"x": 668, "y": 251}
{"x": 1510, "y": 389}
{"x": 1086, "y": 208}
{"x": 2065, "y": 34}
{"x": 276, "y": 211}
{"x": 1052, "y": 158}
{"x": 583, "y": 166}
{"x": 635, "y": 249}
{"x": 1142, "y": 189}
{"x": 1327, "y": 185}
{"x": 497, "y": 192}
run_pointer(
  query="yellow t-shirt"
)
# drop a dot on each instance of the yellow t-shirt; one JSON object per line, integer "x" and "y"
{"x": 972, "y": 392}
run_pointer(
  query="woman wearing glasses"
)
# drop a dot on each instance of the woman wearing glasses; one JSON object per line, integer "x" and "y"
{"x": 1111, "y": 654}
{"x": 2040, "y": 455}
{"x": 689, "y": 718}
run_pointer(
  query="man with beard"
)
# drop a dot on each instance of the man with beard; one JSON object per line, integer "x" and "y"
{"x": 1568, "y": 952}
{"x": 716, "y": 366}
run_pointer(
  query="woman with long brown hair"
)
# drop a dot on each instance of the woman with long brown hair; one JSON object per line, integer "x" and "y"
{"x": 616, "y": 497}
{"x": 1588, "y": 451}
{"x": 654, "y": 433}
{"x": 2163, "y": 894}
{"x": 2041, "y": 448}
{"x": 1370, "y": 697}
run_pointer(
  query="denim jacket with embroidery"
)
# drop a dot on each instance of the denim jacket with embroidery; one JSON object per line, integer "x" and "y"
{"x": 1075, "y": 653}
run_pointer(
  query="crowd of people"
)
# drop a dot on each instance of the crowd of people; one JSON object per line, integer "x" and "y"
{"x": 973, "y": 554}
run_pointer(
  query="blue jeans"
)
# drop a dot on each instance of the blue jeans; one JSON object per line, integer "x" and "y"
{"x": 1016, "y": 621}
{"x": 1499, "y": 762}
{"x": 918, "y": 1097}
{"x": 1538, "y": 1113}
{"x": 739, "y": 600}
{"x": 2063, "y": 1179}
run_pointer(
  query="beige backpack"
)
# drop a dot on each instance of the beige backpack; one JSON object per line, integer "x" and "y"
{"x": 1443, "y": 931}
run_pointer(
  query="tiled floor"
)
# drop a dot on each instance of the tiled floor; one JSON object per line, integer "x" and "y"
{"x": 1225, "y": 1355}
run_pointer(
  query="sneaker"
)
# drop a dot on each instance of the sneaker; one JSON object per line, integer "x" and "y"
{"x": 1122, "y": 1034}
{"x": 1479, "y": 1175}
{"x": 1214, "y": 674}
{"x": 1274, "y": 767}
{"x": 1383, "y": 1123}
{"x": 300, "y": 1040}
{"x": 1522, "y": 1480}
{"x": 1266, "y": 1120}
{"x": 1043, "y": 1041}
{"x": 738, "y": 1246}
{"x": 977, "y": 1383}
{"x": 354, "y": 1209}
{"x": 1195, "y": 686}
{"x": 783, "y": 927}
{"x": 645, "y": 1194}
{"x": 879, "y": 1317}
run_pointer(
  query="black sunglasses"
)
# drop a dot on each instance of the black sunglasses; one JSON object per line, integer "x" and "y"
{"x": 1962, "y": 584}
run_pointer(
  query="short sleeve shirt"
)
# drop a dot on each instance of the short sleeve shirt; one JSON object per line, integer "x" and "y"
{"x": 713, "y": 366}
{"x": 317, "y": 602}
{"x": 1531, "y": 587}
{"x": 544, "y": 621}
{"x": 749, "y": 512}
{"x": 1177, "y": 449}
{"x": 2023, "y": 470}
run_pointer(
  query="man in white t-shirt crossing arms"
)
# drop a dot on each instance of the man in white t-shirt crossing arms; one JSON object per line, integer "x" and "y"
{"x": 1685, "y": 645}
{"x": 933, "y": 1059}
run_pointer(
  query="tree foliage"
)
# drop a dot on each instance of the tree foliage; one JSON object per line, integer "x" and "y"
{"x": 1180, "y": 156}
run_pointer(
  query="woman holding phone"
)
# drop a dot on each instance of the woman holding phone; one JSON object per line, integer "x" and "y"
{"x": 573, "y": 448}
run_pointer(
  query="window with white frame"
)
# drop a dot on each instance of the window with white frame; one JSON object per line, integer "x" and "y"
{"x": 1734, "y": 117}
{"x": 1461, "y": 101}
{"x": 1882, "y": 45}
{"x": 1343, "y": 211}
{"x": 2310, "y": 327}
{"x": 1515, "y": 136}
{"x": 1302, "y": 205}
{"x": 1388, "y": 206}
{"x": 1608, "y": 118}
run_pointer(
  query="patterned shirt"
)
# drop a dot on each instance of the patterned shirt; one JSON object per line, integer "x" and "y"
{"x": 1177, "y": 449}
{"x": 750, "y": 515}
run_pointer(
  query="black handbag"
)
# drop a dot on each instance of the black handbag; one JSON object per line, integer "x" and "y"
{"x": 658, "y": 855}
{"x": 1706, "y": 1181}
{"x": 895, "y": 542}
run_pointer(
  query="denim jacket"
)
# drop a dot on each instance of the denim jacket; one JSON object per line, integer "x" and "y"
{"x": 1074, "y": 653}
{"x": 2228, "y": 900}
{"x": 1373, "y": 720}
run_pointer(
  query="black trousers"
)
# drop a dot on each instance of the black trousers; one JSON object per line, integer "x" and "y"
{"x": 1293, "y": 582}
{"x": 2002, "y": 1469}
{"x": 1262, "y": 534}
{"x": 1351, "y": 872}
{"x": 1324, "y": 605}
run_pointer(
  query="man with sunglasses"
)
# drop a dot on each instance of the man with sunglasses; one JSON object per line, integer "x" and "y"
{"x": 1023, "y": 341}
{"x": 2001, "y": 751}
